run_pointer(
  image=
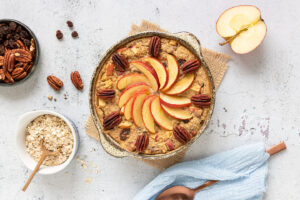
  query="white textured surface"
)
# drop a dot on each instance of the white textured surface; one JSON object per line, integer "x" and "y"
{"x": 257, "y": 101}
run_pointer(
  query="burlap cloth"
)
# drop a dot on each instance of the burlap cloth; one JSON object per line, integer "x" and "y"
{"x": 217, "y": 63}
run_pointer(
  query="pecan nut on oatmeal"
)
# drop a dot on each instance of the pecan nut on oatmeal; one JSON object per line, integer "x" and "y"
{"x": 152, "y": 95}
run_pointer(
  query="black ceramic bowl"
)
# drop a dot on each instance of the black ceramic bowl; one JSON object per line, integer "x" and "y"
{"x": 37, "y": 51}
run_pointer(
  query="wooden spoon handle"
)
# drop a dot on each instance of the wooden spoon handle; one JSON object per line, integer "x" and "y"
{"x": 272, "y": 150}
{"x": 43, "y": 157}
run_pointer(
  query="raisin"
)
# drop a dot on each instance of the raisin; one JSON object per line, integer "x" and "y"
{"x": 181, "y": 61}
{"x": 8, "y": 36}
{"x": 59, "y": 34}
{"x": 124, "y": 134}
{"x": 74, "y": 34}
{"x": 70, "y": 24}
{"x": 185, "y": 121}
{"x": 27, "y": 42}
{"x": 18, "y": 30}
{"x": 16, "y": 36}
{"x": 24, "y": 34}
{"x": 12, "y": 26}
{"x": 164, "y": 64}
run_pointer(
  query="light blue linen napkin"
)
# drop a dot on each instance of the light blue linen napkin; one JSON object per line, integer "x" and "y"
{"x": 242, "y": 173}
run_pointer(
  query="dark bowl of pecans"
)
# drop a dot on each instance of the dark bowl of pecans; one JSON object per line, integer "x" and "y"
{"x": 19, "y": 52}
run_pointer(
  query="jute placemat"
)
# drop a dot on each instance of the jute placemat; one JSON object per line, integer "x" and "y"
{"x": 217, "y": 63}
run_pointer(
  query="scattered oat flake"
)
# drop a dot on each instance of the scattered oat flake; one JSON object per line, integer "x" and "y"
{"x": 88, "y": 180}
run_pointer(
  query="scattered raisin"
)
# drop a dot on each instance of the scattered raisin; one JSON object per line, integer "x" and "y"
{"x": 1, "y": 50}
{"x": 18, "y": 30}
{"x": 124, "y": 134}
{"x": 70, "y": 24}
{"x": 74, "y": 34}
{"x": 59, "y": 34}
{"x": 185, "y": 121}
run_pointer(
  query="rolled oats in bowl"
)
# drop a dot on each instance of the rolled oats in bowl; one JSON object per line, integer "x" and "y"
{"x": 56, "y": 134}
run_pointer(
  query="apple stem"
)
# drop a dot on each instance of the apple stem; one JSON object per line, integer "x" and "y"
{"x": 232, "y": 37}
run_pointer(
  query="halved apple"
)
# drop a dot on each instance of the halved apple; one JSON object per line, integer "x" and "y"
{"x": 182, "y": 85}
{"x": 173, "y": 71}
{"x": 159, "y": 115}
{"x": 136, "y": 111}
{"x": 131, "y": 90}
{"x": 149, "y": 73}
{"x": 129, "y": 79}
{"x": 127, "y": 109}
{"x": 177, "y": 113}
{"x": 242, "y": 27}
{"x": 160, "y": 70}
{"x": 174, "y": 101}
{"x": 147, "y": 116}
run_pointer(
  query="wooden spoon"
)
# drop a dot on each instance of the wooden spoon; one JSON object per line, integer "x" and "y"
{"x": 184, "y": 193}
{"x": 45, "y": 154}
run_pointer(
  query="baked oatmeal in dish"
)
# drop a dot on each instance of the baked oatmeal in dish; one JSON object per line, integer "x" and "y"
{"x": 152, "y": 95}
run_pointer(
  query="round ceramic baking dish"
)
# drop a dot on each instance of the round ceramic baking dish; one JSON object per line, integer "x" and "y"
{"x": 109, "y": 144}
{"x": 30, "y": 163}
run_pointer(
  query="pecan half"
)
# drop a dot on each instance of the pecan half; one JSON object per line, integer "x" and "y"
{"x": 1, "y": 60}
{"x": 142, "y": 142}
{"x": 22, "y": 55}
{"x": 18, "y": 74}
{"x": 190, "y": 66}
{"x": 120, "y": 62}
{"x": 112, "y": 120}
{"x": 181, "y": 134}
{"x": 55, "y": 82}
{"x": 8, "y": 78}
{"x": 201, "y": 100}
{"x": 2, "y": 75}
{"x": 154, "y": 46}
{"x": 27, "y": 67}
{"x": 76, "y": 80}
{"x": 11, "y": 63}
{"x": 106, "y": 93}
{"x": 6, "y": 60}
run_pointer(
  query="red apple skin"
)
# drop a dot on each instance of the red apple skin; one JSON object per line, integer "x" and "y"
{"x": 184, "y": 89}
{"x": 151, "y": 96}
{"x": 151, "y": 70}
{"x": 175, "y": 78}
{"x": 131, "y": 86}
{"x": 174, "y": 105}
{"x": 172, "y": 115}
{"x": 131, "y": 74}
{"x": 229, "y": 9}
{"x": 155, "y": 119}
{"x": 167, "y": 78}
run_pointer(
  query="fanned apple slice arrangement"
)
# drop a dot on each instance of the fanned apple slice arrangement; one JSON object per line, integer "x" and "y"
{"x": 145, "y": 110}
{"x": 149, "y": 93}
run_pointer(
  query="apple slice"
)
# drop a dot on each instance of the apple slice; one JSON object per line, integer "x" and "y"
{"x": 242, "y": 27}
{"x": 129, "y": 79}
{"x": 174, "y": 101}
{"x": 128, "y": 108}
{"x": 173, "y": 71}
{"x": 159, "y": 115}
{"x": 160, "y": 70}
{"x": 177, "y": 113}
{"x": 136, "y": 111}
{"x": 182, "y": 85}
{"x": 249, "y": 40}
{"x": 131, "y": 90}
{"x": 147, "y": 116}
{"x": 149, "y": 73}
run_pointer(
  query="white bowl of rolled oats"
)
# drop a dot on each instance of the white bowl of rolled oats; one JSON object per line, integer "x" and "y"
{"x": 57, "y": 132}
